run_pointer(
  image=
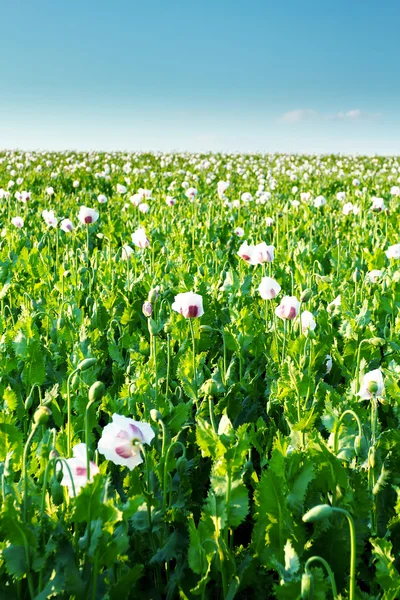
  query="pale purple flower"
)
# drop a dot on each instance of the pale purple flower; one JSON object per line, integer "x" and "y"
{"x": 120, "y": 441}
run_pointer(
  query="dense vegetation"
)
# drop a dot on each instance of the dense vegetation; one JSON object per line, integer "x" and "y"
{"x": 195, "y": 352}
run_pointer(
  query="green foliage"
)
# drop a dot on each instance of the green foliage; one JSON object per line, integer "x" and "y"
{"x": 256, "y": 419}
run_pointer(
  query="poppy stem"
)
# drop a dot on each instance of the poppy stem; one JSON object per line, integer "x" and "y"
{"x": 194, "y": 359}
{"x": 284, "y": 341}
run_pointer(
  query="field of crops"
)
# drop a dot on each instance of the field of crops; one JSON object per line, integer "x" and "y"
{"x": 200, "y": 366}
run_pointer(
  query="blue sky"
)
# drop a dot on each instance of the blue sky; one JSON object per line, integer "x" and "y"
{"x": 250, "y": 75}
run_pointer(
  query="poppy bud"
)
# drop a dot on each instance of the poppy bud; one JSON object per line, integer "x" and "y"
{"x": 155, "y": 415}
{"x": 96, "y": 391}
{"x": 181, "y": 464}
{"x": 152, "y": 325}
{"x": 206, "y": 328}
{"x": 357, "y": 444}
{"x": 60, "y": 322}
{"x": 86, "y": 363}
{"x": 322, "y": 511}
{"x": 147, "y": 309}
{"x": 53, "y": 454}
{"x": 153, "y": 295}
{"x": 89, "y": 301}
{"x": 67, "y": 274}
{"x": 306, "y": 295}
{"x": 57, "y": 494}
{"x": 307, "y": 586}
{"x": 41, "y": 415}
{"x": 75, "y": 382}
{"x": 377, "y": 341}
{"x": 29, "y": 401}
{"x": 371, "y": 458}
{"x": 59, "y": 474}
{"x": 53, "y": 335}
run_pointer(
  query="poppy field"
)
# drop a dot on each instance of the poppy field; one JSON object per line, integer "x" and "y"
{"x": 200, "y": 367}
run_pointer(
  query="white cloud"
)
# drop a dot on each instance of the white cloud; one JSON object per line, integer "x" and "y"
{"x": 300, "y": 114}
{"x": 309, "y": 114}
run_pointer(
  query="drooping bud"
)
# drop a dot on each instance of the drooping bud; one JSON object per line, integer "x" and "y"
{"x": 306, "y": 295}
{"x": 205, "y": 328}
{"x": 57, "y": 494}
{"x": 377, "y": 341}
{"x": 153, "y": 295}
{"x": 181, "y": 464}
{"x": 307, "y": 586}
{"x": 357, "y": 445}
{"x": 29, "y": 401}
{"x": 86, "y": 363}
{"x": 96, "y": 391}
{"x": 155, "y": 415}
{"x": 371, "y": 458}
{"x": 53, "y": 454}
{"x": 75, "y": 382}
{"x": 322, "y": 511}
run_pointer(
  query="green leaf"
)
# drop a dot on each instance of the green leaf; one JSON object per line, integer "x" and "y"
{"x": 386, "y": 574}
{"x": 15, "y": 561}
{"x": 126, "y": 581}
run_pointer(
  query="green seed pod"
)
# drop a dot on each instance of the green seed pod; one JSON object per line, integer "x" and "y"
{"x": 57, "y": 494}
{"x": 96, "y": 391}
{"x": 372, "y": 387}
{"x": 307, "y": 586}
{"x": 181, "y": 465}
{"x": 357, "y": 444}
{"x": 86, "y": 363}
{"x": 42, "y": 415}
{"x": 152, "y": 325}
{"x": 75, "y": 382}
{"x": 210, "y": 387}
